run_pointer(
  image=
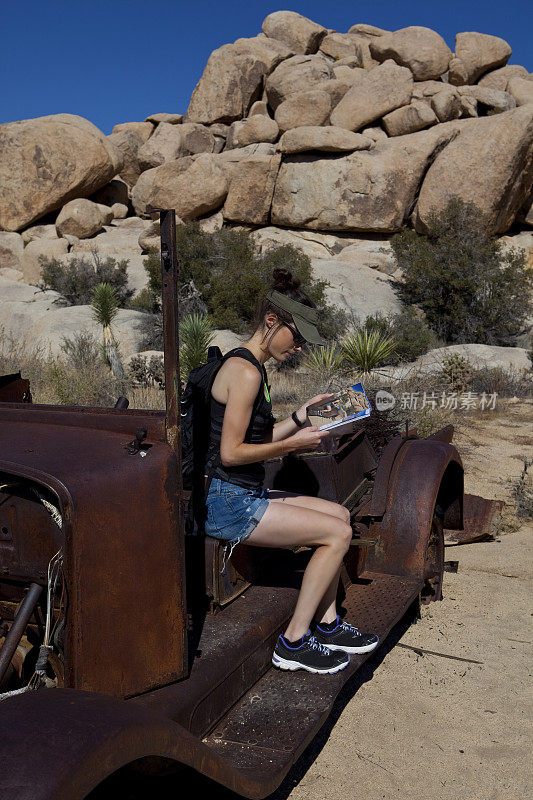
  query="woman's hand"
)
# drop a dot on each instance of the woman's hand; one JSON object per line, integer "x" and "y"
{"x": 304, "y": 439}
{"x": 301, "y": 413}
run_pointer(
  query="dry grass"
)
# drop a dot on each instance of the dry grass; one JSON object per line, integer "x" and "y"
{"x": 82, "y": 378}
{"x": 62, "y": 379}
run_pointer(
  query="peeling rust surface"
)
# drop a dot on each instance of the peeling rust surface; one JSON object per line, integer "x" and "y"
{"x": 481, "y": 518}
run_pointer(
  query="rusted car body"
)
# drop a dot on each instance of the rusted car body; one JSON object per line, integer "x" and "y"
{"x": 162, "y": 653}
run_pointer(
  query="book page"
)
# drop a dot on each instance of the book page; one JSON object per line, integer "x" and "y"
{"x": 346, "y": 405}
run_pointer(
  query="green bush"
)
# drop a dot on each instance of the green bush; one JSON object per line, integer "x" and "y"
{"x": 151, "y": 332}
{"x": 222, "y": 275}
{"x": 410, "y": 331}
{"x": 470, "y": 289}
{"x": 76, "y": 279}
{"x": 145, "y": 301}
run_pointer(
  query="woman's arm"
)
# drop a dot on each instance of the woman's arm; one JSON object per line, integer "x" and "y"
{"x": 286, "y": 427}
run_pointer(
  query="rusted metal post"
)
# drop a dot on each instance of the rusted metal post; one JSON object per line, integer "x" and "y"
{"x": 18, "y": 627}
{"x": 170, "y": 274}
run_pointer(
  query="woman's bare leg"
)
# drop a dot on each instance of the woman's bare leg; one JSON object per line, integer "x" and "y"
{"x": 288, "y": 525}
{"x": 315, "y": 503}
{"x": 327, "y": 608}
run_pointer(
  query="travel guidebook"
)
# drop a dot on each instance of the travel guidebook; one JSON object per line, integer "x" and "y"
{"x": 345, "y": 406}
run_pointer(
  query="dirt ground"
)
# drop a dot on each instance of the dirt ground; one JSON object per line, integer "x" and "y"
{"x": 428, "y": 726}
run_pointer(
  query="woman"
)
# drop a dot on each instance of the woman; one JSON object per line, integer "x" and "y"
{"x": 243, "y": 436}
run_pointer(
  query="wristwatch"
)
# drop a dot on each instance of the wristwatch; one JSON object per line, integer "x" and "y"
{"x": 294, "y": 416}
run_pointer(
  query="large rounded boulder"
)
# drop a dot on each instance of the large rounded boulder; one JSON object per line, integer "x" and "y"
{"x": 46, "y": 162}
{"x": 422, "y": 50}
{"x": 490, "y": 164}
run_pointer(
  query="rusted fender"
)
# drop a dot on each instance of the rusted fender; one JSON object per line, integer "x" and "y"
{"x": 388, "y": 457}
{"x": 59, "y": 744}
{"x": 424, "y": 474}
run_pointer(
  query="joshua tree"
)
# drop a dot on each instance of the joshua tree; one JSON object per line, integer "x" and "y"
{"x": 105, "y": 305}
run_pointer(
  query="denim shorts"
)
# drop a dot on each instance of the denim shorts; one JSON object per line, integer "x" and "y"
{"x": 233, "y": 511}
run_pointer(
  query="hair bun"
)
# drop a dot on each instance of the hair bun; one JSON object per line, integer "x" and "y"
{"x": 284, "y": 281}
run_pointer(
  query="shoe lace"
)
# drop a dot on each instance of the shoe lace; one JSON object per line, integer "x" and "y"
{"x": 320, "y": 647}
{"x": 346, "y": 627}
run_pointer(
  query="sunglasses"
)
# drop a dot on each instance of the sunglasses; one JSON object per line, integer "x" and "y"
{"x": 299, "y": 340}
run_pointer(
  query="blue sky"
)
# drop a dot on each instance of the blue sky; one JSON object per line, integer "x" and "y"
{"x": 122, "y": 60}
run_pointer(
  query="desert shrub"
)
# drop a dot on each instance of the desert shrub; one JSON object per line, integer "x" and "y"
{"x": 152, "y": 265}
{"x": 80, "y": 376}
{"x": 413, "y": 337}
{"x": 77, "y": 376}
{"x": 94, "y": 385}
{"x": 456, "y": 372}
{"x": 502, "y": 382}
{"x": 76, "y": 279}
{"x": 147, "y": 372}
{"x": 151, "y": 332}
{"x": 17, "y": 353}
{"x": 156, "y": 371}
{"x": 470, "y": 288}
{"x": 522, "y": 492}
{"x": 81, "y": 350}
{"x": 145, "y": 301}
{"x": 427, "y": 420}
{"x": 222, "y": 275}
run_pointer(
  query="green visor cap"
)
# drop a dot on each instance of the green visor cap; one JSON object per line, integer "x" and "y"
{"x": 304, "y": 317}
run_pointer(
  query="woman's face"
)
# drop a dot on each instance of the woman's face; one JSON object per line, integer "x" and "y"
{"x": 281, "y": 344}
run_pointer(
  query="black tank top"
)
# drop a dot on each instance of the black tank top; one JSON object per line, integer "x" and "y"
{"x": 262, "y": 420}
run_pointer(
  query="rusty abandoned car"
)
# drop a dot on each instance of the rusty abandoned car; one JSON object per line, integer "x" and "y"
{"x": 118, "y": 618}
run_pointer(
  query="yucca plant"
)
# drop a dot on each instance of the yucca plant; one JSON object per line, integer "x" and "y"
{"x": 325, "y": 361}
{"x": 196, "y": 335}
{"x": 365, "y": 350}
{"x": 105, "y": 305}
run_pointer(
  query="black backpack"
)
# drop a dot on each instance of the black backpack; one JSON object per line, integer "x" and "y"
{"x": 195, "y": 409}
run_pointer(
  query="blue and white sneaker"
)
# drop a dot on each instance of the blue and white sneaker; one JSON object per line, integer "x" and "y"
{"x": 310, "y": 655}
{"x": 345, "y": 638}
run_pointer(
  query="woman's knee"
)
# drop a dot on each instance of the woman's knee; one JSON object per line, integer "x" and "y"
{"x": 341, "y": 537}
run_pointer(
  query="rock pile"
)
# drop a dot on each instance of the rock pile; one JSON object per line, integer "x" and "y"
{"x": 388, "y": 121}
{"x": 355, "y": 134}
